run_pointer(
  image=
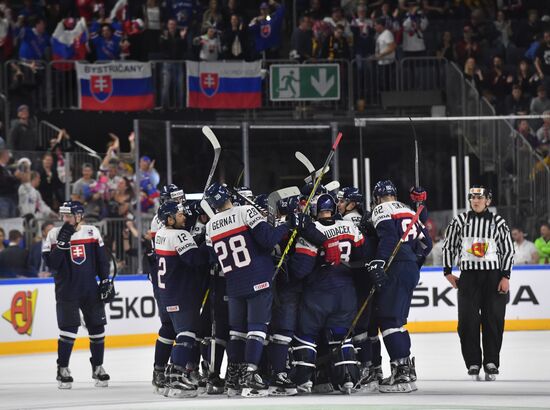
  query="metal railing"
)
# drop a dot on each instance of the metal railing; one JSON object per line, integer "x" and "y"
{"x": 370, "y": 79}
{"x": 53, "y": 85}
{"x": 118, "y": 239}
{"x": 523, "y": 176}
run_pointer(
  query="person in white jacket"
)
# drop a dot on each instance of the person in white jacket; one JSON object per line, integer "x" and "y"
{"x": 414, "y": 25}
{"x": 30, "y": 200}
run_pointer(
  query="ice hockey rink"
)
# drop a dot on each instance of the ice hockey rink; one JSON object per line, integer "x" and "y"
{"x": 28, "y": 382}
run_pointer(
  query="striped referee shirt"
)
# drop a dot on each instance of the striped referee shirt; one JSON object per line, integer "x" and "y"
{"x": 478, "y": 242}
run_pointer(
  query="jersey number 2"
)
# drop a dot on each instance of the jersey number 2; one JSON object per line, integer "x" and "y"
{"x": 239, "y": 253}
{"x": 161, "y": 272}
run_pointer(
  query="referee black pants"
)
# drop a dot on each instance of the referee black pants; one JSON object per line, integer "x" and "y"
{"x": 480, "y": 306}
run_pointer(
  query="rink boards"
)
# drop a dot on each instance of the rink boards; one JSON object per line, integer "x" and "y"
{"x": 28, "y": 323}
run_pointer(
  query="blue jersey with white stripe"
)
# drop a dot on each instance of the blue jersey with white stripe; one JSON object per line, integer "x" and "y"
{"x": 178, "y": 265}
{"x": 243, "y": 241}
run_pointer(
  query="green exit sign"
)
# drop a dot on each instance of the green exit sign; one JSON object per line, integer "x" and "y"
{"x": 304, "y": 82}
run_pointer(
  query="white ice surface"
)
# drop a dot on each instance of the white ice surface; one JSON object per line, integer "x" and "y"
{"x": 28, "y": 382}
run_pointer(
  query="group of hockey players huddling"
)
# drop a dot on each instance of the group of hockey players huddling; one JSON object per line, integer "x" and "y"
{"x": 212, "y": 269}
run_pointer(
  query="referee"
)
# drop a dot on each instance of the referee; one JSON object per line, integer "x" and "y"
{"x": 481, "y": 244}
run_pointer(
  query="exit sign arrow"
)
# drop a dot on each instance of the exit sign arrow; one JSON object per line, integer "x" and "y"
{"x": 322, "y": 85}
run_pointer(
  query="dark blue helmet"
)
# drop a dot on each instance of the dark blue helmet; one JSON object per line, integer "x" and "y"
{"x": 171, "y": 193}
{"x": 479, "y": 190}
{"x": 167, "y": 209}
{"x": 288, "y": 205}
{"x": 239, "y": 193}
{"x": 261, "y": 200}
{"x": 307, "y": 188}
{"x": 195, "y": 208}
{"x": 71, "y": 208}
{"x": 324, "y": 202}
{"x": 384, "y": 188}
{"x": 350, "y": 194}
{"x": 217, "y": 195}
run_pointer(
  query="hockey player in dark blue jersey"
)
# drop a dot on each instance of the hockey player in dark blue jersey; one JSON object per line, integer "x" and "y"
{"x": 393, "y": 299}
{"x": 76, "y": 255}
{"x": 329, "y": 301}
{"x": 285, "y": 313}
{"x": 179, "y": 261}
{"x": 166, "y": 333}
{"x": 243, "y": 241}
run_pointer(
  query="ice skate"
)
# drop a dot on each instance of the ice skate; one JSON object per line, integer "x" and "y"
{"x": 178, "y": 385}
{"x": 473, "y": 371}
{"x": 100, "y": 376}
{"x": 232, "y": 379}
{"x": 159, "y": 380}
{"x": 348, "y": 386}
{"x": 400, "y": 379}
{"x": 491, "y": 372}
{"x": 215, "y": 384}
{"x": 253, "y": 384}
{"x": 371, "y": 377}
{"x": 64, "y": 378}
{"x": 281, "y": 385}
{"x": 305, "y": 388}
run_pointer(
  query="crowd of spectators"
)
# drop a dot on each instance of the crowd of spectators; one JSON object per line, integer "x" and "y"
{"x": 33, "y": 187}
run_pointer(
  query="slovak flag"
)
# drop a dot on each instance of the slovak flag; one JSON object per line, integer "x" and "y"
{"x": 224, "y": 85}
{"x": 69, "y": 44}
{"x": 115, "y": 86}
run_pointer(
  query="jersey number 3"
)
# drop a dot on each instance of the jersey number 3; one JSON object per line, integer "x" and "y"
{"x": 239, "y": 254}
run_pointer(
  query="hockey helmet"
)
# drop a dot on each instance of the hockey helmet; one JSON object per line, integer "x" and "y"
{"x": 479, "y": 191}
{"x": 261, "y": 200}
{"x": 169, "y": 209}
{"x": 384, "y": 188}
{"x": 350, "y": 194}
{"x": 324, "y": 202}
{"x": 307, "y": 188}
{"x": 71, "y": 208}
{"x": 171, "y": 193}
{"x": 288, "y": 205}
{"x": 217, "y": 195}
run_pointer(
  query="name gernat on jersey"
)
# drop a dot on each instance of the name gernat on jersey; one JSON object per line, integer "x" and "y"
{"x": 243, "y": 240}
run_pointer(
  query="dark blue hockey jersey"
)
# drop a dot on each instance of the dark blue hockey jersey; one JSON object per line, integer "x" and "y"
{"x": 391, "y": 220}
{"x": 267, "y": 32}
{"x": 308, "y": 259}
{"x": 179, "y": 260}
{"x": 75, "y": 270}
{"x": 243, "y": 241}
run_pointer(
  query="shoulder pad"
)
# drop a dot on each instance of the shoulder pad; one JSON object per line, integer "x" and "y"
{"x": 381, "y": 213}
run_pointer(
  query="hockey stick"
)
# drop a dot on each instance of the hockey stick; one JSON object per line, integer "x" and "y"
{"x": 416, "y": 161}
{"x": 208, "y": 133}
{"x": 310, "y": 167}
{"x": 308, "y": 203}
{"x": 249, "y": 201}
{"x": 276, "y": 196}
{"x": 332, "y": 186}
{"x": 403, "y": 238}
{"x": 212, "y": 294}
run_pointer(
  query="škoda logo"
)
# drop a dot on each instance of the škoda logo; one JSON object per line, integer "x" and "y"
{"x": 21, "y": 312}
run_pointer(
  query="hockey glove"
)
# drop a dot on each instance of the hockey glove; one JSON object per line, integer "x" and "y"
{"x": 376, "y": 273}
{"x": 332, "y": 251}
{"x": 64, "y": 236}
{"x": 418, "y": 194}
{"x": 107, "y": 290}
{"x": 297, "y": 221}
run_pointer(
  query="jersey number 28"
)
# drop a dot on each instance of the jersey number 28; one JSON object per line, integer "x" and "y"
{"x": 239, "y": 258}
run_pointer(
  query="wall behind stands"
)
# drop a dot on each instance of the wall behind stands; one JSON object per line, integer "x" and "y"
{"x": 28, "y": 323}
